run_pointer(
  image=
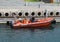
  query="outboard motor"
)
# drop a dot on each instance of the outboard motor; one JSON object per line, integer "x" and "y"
{"x": 9, "y": 23}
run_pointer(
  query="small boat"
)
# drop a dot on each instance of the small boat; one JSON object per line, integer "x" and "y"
{"x": 45, "y": 22}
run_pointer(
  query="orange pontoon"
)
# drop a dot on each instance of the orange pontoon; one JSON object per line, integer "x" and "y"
{"x": 46, "y": 22}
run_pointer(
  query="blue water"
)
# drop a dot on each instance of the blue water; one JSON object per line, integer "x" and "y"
{"x": 27, "y": 35}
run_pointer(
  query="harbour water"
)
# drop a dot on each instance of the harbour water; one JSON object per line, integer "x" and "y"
{"x": 29, "y": 35}
{"x": 26, "y": 35}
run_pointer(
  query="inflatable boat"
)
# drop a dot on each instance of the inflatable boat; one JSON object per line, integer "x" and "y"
{"x": 45, "y": 22}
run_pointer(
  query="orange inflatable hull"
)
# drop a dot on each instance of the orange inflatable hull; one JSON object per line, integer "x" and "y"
{"x": 39, "y": 23}
{"x": 33, "y": 26}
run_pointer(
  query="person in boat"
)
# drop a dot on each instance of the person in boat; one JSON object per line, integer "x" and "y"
{"x": 15, "y": 16}
{"x": 16, "y": 19}
{"x": 32, "y": 19}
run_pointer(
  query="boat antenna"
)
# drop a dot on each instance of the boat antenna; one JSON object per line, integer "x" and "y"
{"x": 14, "y": 15}
{"x": 46, "y": 13}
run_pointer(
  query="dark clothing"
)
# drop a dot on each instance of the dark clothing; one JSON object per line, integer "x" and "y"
{"x": 32, "y": 19}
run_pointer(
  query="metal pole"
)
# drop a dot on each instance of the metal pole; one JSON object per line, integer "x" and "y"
{"x": 46, "y": 13}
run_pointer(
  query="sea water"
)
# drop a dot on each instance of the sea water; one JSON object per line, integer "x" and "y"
{"x": 29, "y": 35}
{"x": 26, "y": 35}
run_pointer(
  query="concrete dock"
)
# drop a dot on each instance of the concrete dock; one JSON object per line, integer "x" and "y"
{"x": 7, "y": 7}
